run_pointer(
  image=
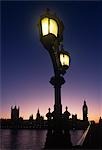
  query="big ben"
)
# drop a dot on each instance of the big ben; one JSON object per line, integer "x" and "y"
{"x": 85, "y": 112}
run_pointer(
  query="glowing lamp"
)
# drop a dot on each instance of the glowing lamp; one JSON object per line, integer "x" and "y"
{"x": 64, "y": 59}
{"x": 49, "y": 26}
{"x": 50, "y": 29}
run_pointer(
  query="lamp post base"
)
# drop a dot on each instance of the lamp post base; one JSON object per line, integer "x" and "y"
{"x": 58, "y": 140}
{"x": 58, "y": 136}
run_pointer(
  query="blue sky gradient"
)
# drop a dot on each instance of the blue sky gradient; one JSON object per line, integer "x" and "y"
{"x": 26, "y": 67}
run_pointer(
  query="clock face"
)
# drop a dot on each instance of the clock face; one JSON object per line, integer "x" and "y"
{"x": 84, "y": 108}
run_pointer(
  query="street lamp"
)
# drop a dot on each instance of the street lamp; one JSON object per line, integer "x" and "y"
{"x": 50, "y": 29}
{"x": 51, "y": 36}
{"x": 64, "y": 59}
{"x": 49, "y": 26}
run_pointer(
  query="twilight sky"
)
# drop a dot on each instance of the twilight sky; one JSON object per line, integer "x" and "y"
{"x": 26, "y": 66}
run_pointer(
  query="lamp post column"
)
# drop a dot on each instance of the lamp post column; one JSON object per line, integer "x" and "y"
{"x": 57, "y": 81}
{"x": 58, "y": 105}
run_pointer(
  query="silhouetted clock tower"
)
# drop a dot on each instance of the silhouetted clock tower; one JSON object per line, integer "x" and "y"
{"x": 85, "y": 112}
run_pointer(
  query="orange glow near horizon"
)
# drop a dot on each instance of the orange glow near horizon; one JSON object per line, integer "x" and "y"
{"x": 26, "y": 111}
{"x": 26, "y": 116}
{"x": 29, "y": 104}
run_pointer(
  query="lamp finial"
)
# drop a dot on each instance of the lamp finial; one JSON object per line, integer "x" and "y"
{"x": 47, "y": 10}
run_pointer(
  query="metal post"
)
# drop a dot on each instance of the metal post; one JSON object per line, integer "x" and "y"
{"x": 57, "y": 81}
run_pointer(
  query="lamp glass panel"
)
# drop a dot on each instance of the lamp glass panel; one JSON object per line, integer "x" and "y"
{"x": 44, "y": 23}
{"x": 53, "y": 27}
{"x": 64, "y": 59}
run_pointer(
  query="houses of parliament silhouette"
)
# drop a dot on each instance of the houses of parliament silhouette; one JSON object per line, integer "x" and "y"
{"x": 39, "y": 123}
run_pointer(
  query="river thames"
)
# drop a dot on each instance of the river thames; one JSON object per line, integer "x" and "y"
{"x": 29, "y": 139}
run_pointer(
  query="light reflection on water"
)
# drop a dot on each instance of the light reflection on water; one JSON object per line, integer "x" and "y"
{"x": 29, "y": 139}
{"x": 75, "y": 136}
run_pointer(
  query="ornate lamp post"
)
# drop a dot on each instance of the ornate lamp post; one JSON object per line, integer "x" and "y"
{"x": 51, "y": 36}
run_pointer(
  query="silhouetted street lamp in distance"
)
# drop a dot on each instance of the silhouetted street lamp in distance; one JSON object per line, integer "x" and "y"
{"x": 51, "y": 36}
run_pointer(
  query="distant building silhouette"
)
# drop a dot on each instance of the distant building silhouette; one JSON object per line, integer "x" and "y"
{"x": 14, "y": 113}
{"x": 17, "y": 122}
{"x": 85, "y": 112}
{"x": 100, "y": 120}
{"x": 31, "y": 117}
{"x": 74, "y": 117}
{"x": 38, "y": 116}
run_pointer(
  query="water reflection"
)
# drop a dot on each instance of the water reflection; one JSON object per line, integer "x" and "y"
{"x": 75, "y": 136}
{"x": 22, "y": 139}
{"x": 29, "y": 139}
{"x": 14, "y": 141}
